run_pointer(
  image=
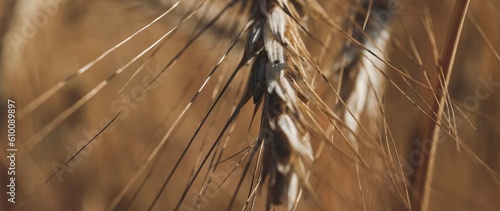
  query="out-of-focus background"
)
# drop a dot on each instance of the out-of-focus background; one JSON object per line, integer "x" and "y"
{"x": 46, "y": 41}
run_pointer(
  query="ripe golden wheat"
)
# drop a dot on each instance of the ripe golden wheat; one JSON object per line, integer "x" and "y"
{"x": 253, "y": 104}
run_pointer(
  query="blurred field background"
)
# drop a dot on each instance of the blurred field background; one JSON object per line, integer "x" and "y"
{"x": 71, "y": 33}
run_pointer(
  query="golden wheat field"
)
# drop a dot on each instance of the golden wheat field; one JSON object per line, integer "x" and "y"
{"x": 250, "y": 105}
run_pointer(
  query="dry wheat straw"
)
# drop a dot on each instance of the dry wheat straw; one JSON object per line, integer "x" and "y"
{"x": 424, "y": 175}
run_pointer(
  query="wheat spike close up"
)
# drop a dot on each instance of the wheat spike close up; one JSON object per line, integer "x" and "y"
{"x": 250, "y": 104}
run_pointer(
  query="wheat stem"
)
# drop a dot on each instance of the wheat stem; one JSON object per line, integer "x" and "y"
{"x": 423, "y": 178}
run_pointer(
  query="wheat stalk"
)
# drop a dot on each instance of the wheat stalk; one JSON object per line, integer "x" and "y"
{"x": 333, "y": 84}
{"x": 424, "y": 174}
